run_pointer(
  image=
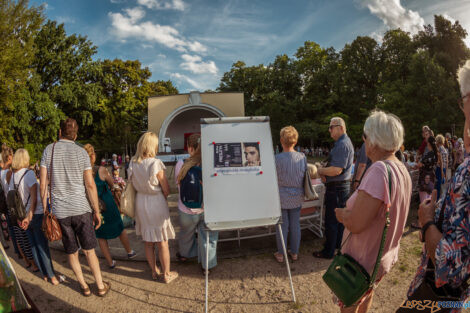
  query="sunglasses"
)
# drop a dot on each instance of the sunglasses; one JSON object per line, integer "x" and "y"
{"x": 332, "y": 126}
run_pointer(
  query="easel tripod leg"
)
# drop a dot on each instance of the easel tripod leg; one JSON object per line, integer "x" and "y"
{"x": 207, "y": 268}
{"x": 287, "y": 262}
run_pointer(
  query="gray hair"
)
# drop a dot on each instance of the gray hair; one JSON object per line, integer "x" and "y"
{"x": 338, "y": 121}
{"x": 384, "y": 130}
{"x": 464, "y": 78}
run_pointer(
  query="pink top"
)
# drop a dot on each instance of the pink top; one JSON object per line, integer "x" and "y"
{"x": 364, "y": 247}
{"x": 181, "y": 206}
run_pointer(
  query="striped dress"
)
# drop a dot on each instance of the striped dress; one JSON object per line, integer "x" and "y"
{"x": 20, "y": 234}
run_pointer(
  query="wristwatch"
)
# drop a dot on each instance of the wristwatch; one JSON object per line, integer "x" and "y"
{"x": 422, "y": 234}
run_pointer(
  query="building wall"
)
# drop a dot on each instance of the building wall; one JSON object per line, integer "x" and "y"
{"x": 231, "y": 104}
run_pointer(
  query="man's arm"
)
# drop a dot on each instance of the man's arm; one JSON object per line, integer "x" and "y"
{"x": 359, "y": 172}
{"x": 43, "y": 182}
{"x": 330, "y": 171}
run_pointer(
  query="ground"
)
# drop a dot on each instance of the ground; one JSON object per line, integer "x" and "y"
{"x": 253, "y": 282}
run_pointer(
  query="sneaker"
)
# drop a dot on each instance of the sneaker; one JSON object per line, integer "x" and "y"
{"x": 113, "y": 265}
{"x": 132, "y": 255}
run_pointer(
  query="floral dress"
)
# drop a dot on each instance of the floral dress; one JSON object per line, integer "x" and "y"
{"x": 453, "y": 250}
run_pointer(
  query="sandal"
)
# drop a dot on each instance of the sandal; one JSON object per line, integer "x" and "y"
{"x": 85, "y": 291}
{"x": 294, "y": 257}
{"x": 279, "y": 257}
{"x": 103, "y": 292}
{"x": 170, "y": 277}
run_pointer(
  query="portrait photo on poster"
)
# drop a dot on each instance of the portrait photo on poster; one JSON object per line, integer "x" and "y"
{"x": 237, "y": 158}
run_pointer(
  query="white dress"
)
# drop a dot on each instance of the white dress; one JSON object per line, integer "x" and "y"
{"x": 152, "y": 215}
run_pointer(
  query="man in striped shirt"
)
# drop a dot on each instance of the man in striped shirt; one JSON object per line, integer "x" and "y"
{"x": 67, "y": 167}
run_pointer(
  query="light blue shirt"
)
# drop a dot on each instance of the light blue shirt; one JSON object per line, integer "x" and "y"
{"x": 290, "y": 167}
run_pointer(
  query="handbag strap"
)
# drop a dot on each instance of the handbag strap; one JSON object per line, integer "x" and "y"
{"x": 387, "y": 223}
{"x": 50, "y": 173}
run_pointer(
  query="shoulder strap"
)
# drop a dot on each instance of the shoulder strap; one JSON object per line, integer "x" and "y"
{"x": 50, "y": 173}
{"x": 387, "y": 223}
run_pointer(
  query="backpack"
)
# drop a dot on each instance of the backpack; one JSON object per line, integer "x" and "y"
{"x": 191, "y": 188}
{"x": 14, "y": 201}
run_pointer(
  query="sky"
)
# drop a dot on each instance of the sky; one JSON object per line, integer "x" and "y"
{"x": 194, "y": 42}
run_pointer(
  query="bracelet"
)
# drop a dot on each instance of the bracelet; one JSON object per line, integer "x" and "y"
{"x": 424, "y": 229}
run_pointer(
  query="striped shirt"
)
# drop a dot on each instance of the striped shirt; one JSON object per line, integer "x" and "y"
{"x": 68, "y": 187}
{"x": 290, "y": 167}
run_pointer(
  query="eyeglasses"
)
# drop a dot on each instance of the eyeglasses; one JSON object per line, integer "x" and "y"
{"x": 332, "y": 126}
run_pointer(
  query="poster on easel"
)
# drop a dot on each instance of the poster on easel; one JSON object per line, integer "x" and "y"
{"x": 239, "y": 173}
{"x": 237, "y": 158}
{"x": 12, "y": 297}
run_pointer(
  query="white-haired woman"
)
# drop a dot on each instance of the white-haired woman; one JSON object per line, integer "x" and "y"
{"x": 152, "y": 215}
{"x": 445, "y": 263}
{"x": 365, "y": 213}
{"x": 28, "y": 189}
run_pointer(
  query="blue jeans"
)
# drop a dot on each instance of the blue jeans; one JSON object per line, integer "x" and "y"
{"x": 290, "y": 226}
{"x": 189, "y": 247}
{"x": 335, "y": 197}
{"x": 40, "y": 246}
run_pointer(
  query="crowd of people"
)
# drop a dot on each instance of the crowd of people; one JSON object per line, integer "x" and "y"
{"x": 365, "y": 209}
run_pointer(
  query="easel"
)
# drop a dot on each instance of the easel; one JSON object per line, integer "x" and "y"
{"x": 285, "y": 259}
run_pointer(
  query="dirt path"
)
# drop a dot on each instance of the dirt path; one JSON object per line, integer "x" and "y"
{"x": 248, "y": 284}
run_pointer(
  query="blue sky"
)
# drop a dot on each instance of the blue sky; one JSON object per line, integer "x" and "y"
{"x": 194, "y": 42}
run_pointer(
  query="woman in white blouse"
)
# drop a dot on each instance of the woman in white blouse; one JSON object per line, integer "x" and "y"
{"x": 152, "y": 215}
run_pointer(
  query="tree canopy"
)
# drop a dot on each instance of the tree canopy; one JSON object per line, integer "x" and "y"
{"x": 413, "y": 77}
{"x": 46, "y": 75}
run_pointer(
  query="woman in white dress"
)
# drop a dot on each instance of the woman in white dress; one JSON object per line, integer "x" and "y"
{"x": 152, "y": 215}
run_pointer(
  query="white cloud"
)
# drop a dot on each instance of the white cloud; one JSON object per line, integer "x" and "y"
{"x": 163, "y": 5}
{"x": 183, "y": 78}
{"x": 394, "y": 15}
{"x": 130, "y": 25}
{"x": 377, "y": 36}
{"x": 194, "y": 63}
{"x": 448, "y": 17}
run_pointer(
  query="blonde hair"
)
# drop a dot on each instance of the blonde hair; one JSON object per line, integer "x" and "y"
{"x": 89, "y": 149}
{"x": 384, "y": 130}
{"x": 312, "y": 171}
{"x": 440, "y": 139}
{"x": 194, "y": 141}
{"x": 6, "y": 152}
{"x": 20, "y": 159}
{"x": 147, "y": 146}
{"x": 289, "y": 135}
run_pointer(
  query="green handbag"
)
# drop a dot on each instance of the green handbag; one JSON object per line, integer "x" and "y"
{"x": 348, "y": 280}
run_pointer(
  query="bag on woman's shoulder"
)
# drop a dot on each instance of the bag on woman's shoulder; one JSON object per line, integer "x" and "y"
{"x": 191, "y": 188}
{"x": 127, "y": 206}
{"x": 348, "y": 279}
{"x": 310, "y": 193}
{"x": 15, "y": 203}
